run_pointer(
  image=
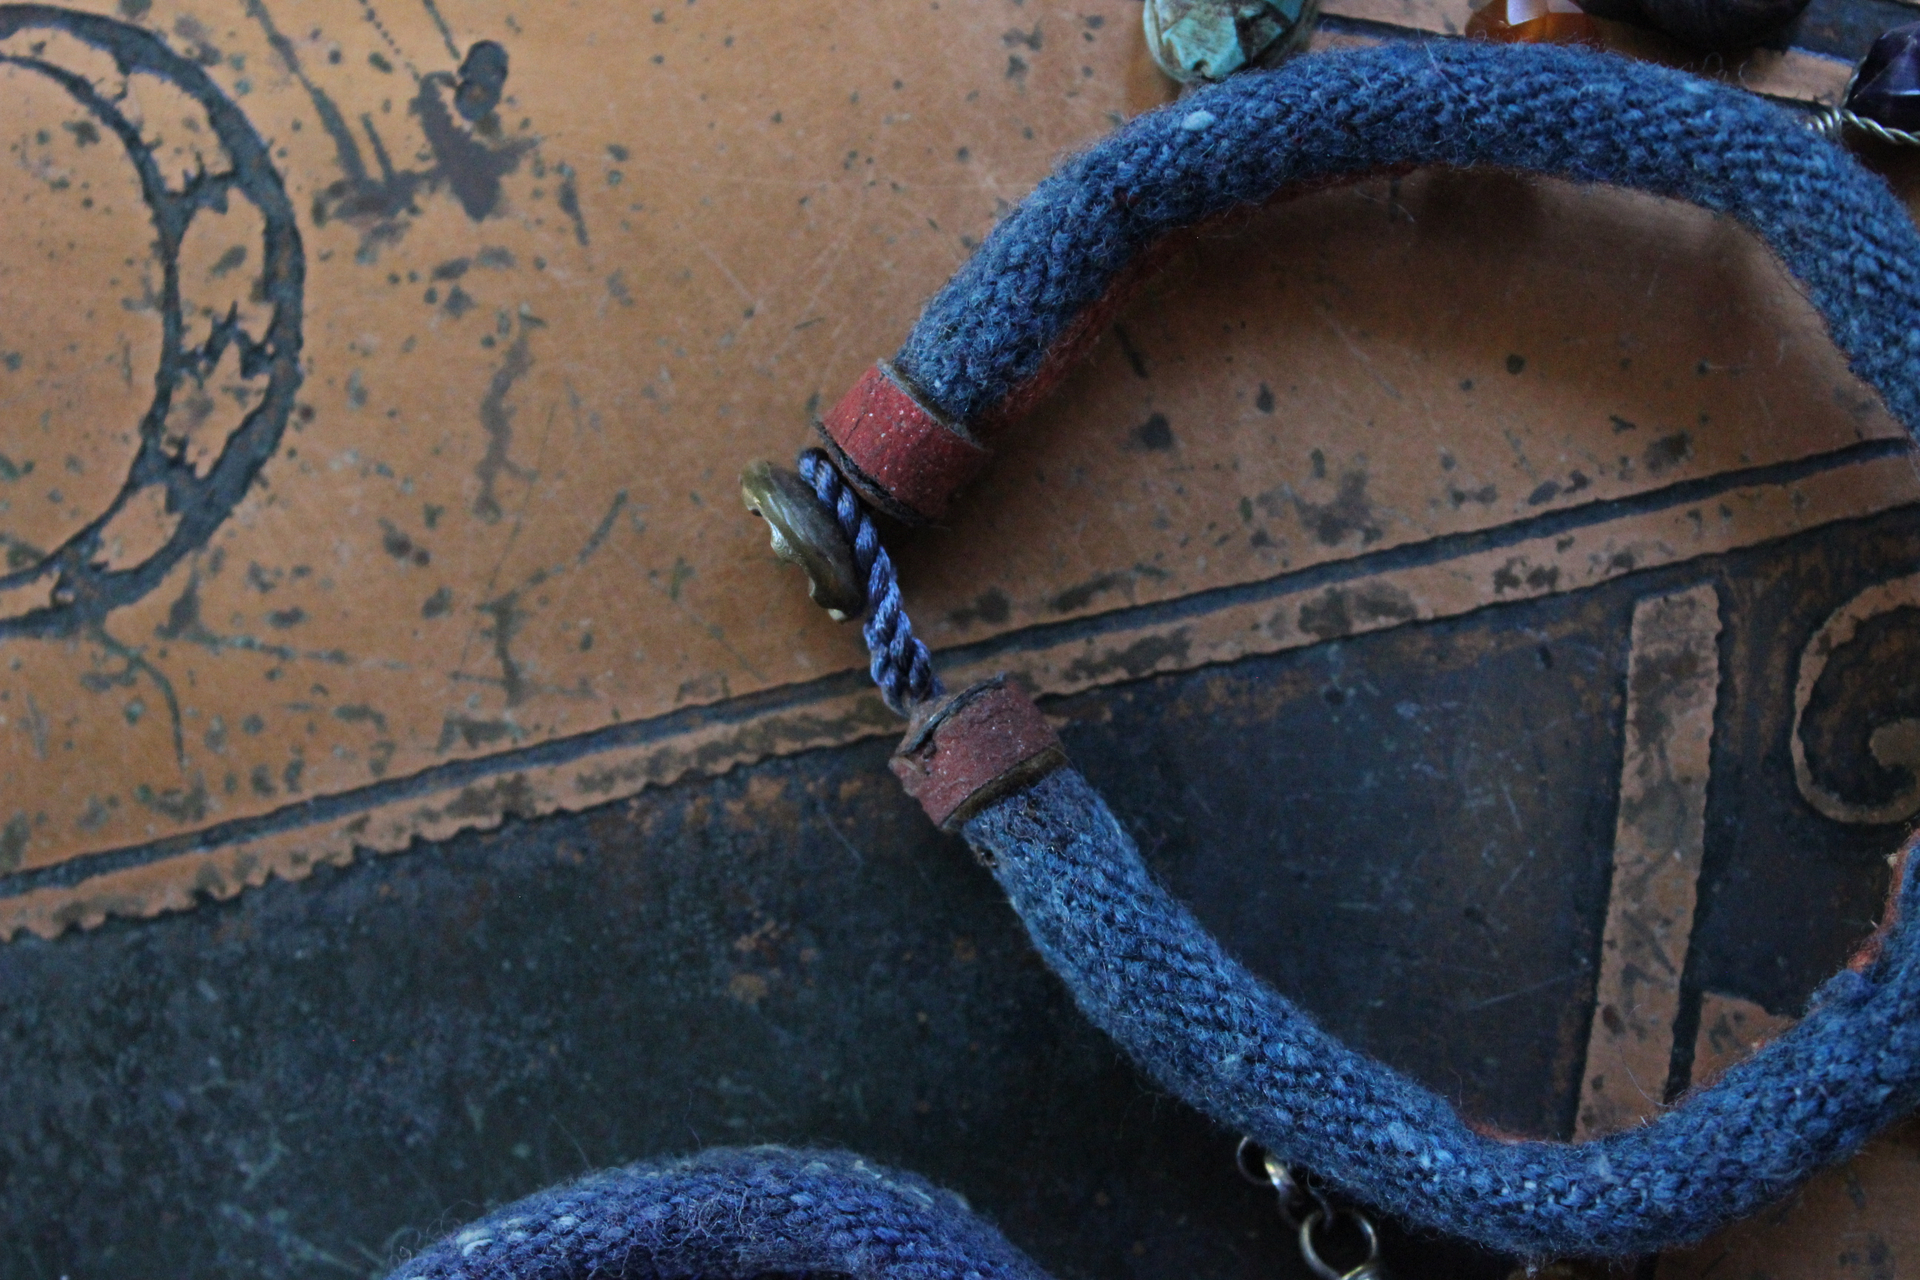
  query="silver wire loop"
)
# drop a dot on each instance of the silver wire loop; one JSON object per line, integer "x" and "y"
{"x": 1296, "y": 1195}
{"x": 1833, "y": 123}
{"x": 1254, "y": 1164}
{"x": 1367, "y": 1270}
{"x": 1259, "y": 1166}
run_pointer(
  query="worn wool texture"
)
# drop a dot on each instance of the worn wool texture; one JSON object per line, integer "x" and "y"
{"x": 1138, "y": 963}
{"x": 731, "y": 1212}
{"x": 1143, "y": 969}
{"x": 1563, "y": 113}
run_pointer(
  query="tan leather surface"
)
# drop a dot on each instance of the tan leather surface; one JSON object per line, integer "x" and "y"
{"x": 507, "y": 509}
{"x": 505, "y": 513}
{"x": 509, "y": 514}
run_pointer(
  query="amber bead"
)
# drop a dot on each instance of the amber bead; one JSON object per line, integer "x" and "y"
{"x": 1534, "y": 22}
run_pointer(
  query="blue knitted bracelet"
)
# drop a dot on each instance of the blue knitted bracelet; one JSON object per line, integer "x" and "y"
{"x": 728, "y": 1214}
{"x": 1143, "y": 969}
{"x": 1559, "y": 112}
{"x": 1137, "y": 962}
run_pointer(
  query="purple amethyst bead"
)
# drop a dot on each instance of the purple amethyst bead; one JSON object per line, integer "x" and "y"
{"x": 1887, "y": 88}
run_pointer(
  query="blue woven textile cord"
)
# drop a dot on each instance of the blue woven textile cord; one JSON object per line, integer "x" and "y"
{"x": 1566, "y": 113}
{"x": 1136, "y": 961}
{"x": 1143, "y": 969}
{"x": 731, "y": 1214}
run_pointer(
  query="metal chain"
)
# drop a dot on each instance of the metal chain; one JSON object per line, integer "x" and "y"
{"x": 1307, "y": 1211}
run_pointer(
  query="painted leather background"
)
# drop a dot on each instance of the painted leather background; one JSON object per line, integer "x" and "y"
{"x": 411, "y": 449}
{"x": 488, "y": 557}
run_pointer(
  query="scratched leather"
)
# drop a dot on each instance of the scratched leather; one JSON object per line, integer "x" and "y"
{"x": 538, "y": 349}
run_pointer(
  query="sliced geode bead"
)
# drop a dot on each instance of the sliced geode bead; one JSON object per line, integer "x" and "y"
{"x": 1205, "y": 41}
{"x": 1886, "y": 89}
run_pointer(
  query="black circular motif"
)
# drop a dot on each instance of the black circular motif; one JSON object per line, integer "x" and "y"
{"x": 1856, "y": 734}
{"x": 84, "y": 589}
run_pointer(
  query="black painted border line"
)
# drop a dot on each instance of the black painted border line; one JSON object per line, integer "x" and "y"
{"x": 462, "y": 773}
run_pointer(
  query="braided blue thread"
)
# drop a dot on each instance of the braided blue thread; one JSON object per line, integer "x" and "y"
{"x": 1143, "y": 969}
{"x": 897, "y": 659}
{"x": 731, "y": 1214}
{"x": 1565, "y": 113}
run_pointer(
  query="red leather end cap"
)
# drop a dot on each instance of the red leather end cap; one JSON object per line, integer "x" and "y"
{"x": 895, "y": 452}
{"x": 962, "y": 754}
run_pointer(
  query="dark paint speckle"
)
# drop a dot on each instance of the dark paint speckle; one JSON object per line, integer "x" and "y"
{"x": 1349, "y": 512}
{"x": 568, "y": 198}
{"x": 1667, "y": 452}
{"x": 483, "y": 77}
{"x": 13, "y": 842}
{"x": 991, "y": 606}
{"x": 1155, "y": 434}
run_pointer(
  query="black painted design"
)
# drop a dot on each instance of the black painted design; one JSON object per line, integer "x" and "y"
{"x": 470, "y": 166}
{"x": 467, "y": 161}
{"x": 569, "y": 200}
{"x": 496, "y": 416}
{"x": 483, "y": 77}
{"x": 1417, "y": 819}
{"x": 490, "y": 770}
{"x": 84, "y": 588}
{"x": 440, "y": 23}
{"x": 1856, "y": 736}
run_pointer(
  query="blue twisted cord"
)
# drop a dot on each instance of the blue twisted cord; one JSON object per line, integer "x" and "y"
{"x": 897, "y": 659}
